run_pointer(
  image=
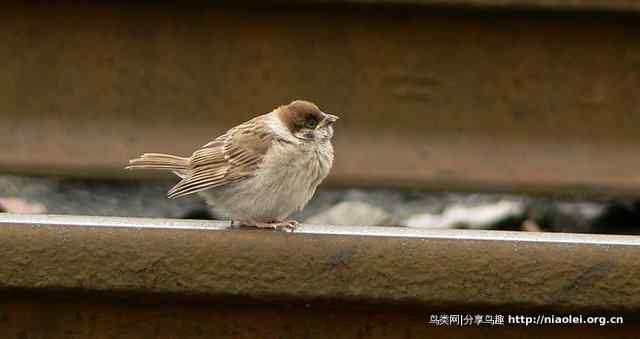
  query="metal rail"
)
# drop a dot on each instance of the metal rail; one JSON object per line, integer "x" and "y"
{"x": 373, "y": 264}
{"x": 376, "y": 279}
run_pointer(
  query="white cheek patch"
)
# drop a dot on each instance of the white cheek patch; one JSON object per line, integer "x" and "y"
{"x": 279, "y": 129}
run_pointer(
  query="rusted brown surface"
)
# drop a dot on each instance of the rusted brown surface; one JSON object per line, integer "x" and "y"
{"x": 397, "y": 266}
{"x": 89, "y": 277}
{"x": 428, "y": 98}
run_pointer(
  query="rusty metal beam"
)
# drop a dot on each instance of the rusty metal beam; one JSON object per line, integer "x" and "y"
{"x": 524, "y": 102}
{"x": 403, "y": 266}
{"x": 129, "y": 278}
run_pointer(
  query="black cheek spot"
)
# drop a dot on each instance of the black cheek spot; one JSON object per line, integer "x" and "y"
{"x": 309, "y": 135}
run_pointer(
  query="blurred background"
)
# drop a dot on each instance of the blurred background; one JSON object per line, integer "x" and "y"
{"x": 519, "y": 115}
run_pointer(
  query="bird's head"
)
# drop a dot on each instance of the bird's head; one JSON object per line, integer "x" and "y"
{"x": 306, "y": 121}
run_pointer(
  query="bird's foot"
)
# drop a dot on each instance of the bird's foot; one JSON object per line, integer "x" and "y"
{"x": 288, "y": 225}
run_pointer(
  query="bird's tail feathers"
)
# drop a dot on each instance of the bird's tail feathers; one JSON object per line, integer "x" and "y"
{"x": 159, "y": 161}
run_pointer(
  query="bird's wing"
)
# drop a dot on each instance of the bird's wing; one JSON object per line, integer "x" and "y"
{"x": 230, "y": 157}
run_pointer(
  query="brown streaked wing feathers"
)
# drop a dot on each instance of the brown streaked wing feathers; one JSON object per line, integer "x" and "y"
{"x": 230, "y": 157}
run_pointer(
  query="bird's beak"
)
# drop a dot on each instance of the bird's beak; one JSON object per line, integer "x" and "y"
{"x": 328, "y": 120}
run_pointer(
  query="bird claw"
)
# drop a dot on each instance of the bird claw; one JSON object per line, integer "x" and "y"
{"x": 287, "y": 226}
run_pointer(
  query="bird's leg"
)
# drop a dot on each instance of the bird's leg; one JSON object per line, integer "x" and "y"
{"x": 288, "y": 225}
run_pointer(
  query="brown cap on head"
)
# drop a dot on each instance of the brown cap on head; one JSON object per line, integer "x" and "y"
{"x": 300, "y": 113}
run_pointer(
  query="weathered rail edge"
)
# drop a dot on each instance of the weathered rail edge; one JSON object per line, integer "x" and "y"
{"x": 400, "y": 266}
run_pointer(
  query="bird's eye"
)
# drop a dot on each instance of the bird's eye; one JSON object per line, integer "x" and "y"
{"x": 311, "y": 123}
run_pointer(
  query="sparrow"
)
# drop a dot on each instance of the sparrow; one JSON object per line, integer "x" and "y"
{"x": 260, "y": 171}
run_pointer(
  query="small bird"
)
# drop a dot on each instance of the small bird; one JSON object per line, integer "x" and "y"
{"x": 260, "y": 171}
